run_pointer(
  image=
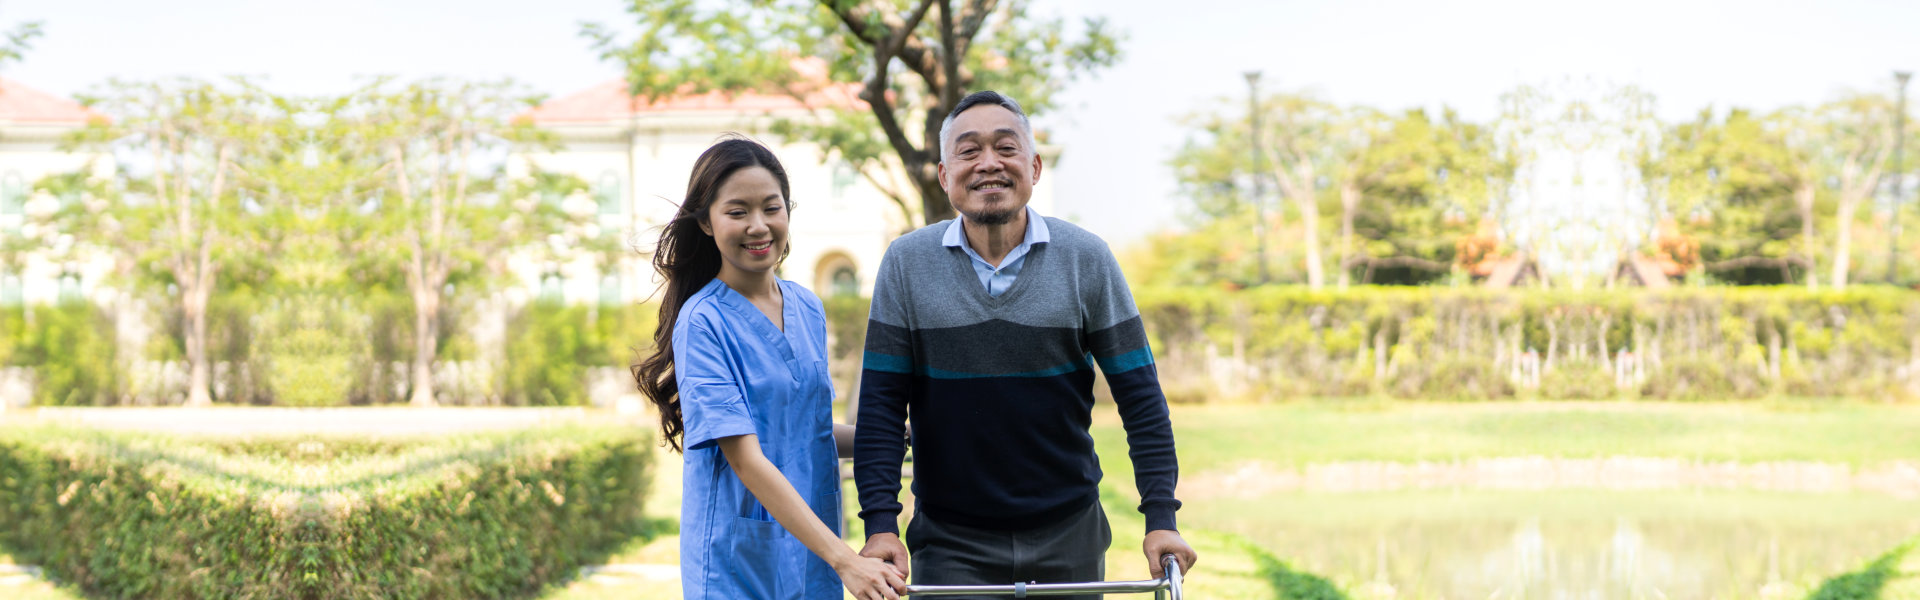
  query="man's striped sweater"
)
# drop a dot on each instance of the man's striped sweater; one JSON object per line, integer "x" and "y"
{"x": 1000, "y": 389}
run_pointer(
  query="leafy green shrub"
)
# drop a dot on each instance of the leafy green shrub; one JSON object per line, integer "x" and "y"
{"x": 496, "y": 515}
{"x": 70, "y": 348}
{"x": 1470, "y": 343}
{"x": 550, "y": 346}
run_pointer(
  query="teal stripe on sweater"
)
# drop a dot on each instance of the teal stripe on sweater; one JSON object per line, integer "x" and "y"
{"x": 887, "y": 363}
{"x": 904, "y": 366}
{"x": 1127, "y": 362}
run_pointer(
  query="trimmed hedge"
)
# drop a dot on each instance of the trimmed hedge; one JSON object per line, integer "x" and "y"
{"x": 498, "y": 515}
{"x": 1470, "y": 344}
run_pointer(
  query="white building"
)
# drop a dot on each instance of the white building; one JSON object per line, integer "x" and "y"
{"x": 32, "y": 125}
{"x": 639, "y": 155}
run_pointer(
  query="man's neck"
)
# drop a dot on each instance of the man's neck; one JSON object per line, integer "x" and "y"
{"x": 994, "y": 242}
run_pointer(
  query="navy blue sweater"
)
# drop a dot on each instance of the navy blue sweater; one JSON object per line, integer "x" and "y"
{"x": 1000, "y": 389}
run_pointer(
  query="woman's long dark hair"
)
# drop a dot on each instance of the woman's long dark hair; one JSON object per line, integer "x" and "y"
{"x": 689, "y": 259}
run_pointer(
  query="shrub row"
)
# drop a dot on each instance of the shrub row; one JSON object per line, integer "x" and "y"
{"x": 1449, "y": 343}
{"x": 321, "y": 352}
{"x": 499, "y": 515}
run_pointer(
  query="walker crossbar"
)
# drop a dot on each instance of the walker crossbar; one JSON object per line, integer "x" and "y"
{"x": 1164, "y": 588}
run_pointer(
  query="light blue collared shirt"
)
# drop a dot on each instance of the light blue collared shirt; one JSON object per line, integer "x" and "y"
{"x": 998, "y": 279}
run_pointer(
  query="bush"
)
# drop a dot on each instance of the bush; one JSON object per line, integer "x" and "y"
{"x": 1469, "y": 344}
{"x": 69, "y": 346}
{"x": 497, "y": 515}
{"x": 551, "y": 346}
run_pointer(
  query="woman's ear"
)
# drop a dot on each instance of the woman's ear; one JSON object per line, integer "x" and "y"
{"x": 704, "y": 227}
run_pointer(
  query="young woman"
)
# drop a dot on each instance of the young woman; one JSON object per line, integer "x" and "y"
{"x": 739, "y": 371}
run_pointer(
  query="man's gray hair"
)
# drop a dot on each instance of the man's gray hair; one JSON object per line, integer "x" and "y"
{"x": 979, "y": 98}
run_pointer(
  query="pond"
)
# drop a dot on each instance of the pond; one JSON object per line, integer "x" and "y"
{"x": 1463, "y": 543}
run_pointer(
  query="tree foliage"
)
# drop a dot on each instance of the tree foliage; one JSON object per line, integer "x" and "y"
{"x": 1420, "y": 196}
{"x": 277, "y": 227}
{"x": 909, "y": 60}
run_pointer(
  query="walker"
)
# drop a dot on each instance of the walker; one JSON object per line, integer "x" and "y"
{"x": 1164, "y": 588}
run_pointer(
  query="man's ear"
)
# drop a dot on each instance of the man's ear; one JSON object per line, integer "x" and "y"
{"x": 1036, "y": 167}
{"x": 940, "y": 173}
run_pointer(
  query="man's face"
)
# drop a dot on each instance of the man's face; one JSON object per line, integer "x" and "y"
{"x": 989, "y": 170}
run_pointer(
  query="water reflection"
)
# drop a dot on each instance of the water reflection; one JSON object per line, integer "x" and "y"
{"x": 1569, "y": 544}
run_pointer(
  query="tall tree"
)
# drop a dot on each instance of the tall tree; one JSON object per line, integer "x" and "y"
{"x": 179, "y": 211}
{"x": 1851, "y": 139}
{"x": 1415, "y": 194}
{"x": 913, "y": 60}
{"x": 444, "y": 213}
{"x": 15, "y": 43}
{"x": 1309, "y": 141}
{"x": 1733, "y": 182}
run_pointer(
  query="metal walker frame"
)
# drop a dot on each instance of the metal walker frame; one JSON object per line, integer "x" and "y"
{"x": 1164, "y": 588}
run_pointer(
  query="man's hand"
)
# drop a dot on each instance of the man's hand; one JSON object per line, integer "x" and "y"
{"x": 887, "y": 547}
{"x": 1161, "y": 542}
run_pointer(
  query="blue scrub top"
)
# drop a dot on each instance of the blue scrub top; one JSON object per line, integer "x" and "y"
{"x": 738, "y": 374}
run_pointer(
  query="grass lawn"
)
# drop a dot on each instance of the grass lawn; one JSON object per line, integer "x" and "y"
{"x": 1217, "y": 437}
{"x": 1434, "y": 543}
{"x": 1294, "y": 434}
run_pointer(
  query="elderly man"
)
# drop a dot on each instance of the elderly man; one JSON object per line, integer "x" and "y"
{"x": 984, "y": 330}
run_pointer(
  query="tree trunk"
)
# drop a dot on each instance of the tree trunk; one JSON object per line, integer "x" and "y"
{"x": 195, "y": 290}
{"x": 1349, "y": 201}
{"x": 934, "y": 205}
{"x": 199, "y": 370}
{"x": 1310, "y": 224}
{"x": 1803, "y": 196}
{"x": 426, "y": 332}
{"x": 1843, "y": 241}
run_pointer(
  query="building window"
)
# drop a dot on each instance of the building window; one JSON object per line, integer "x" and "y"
{"x": 846, "y": 281}
{"x": 69, "y": 287}
{"x": 607, "y": 192}
{"x": 550, "y": 286}
{"x": 13, "y": 193}
{"x": 610, "y": 289}
{"x": 843, "y": 176}
{"x": 10, "y": 289}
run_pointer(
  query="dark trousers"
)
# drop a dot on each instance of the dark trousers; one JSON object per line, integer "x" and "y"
{"x": 1072, "y": 550}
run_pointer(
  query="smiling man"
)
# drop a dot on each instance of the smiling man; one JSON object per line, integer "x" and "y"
{"x": 984, "y": 331}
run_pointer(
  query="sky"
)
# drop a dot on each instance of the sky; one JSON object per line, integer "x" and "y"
{"x": 1118, "y": 128}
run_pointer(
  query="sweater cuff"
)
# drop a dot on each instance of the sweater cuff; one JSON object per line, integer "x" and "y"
{"x": 883, "y": 522}
{"x": 1159, "y": 516}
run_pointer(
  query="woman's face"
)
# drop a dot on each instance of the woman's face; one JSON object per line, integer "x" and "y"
{"x": 748, "y": 221}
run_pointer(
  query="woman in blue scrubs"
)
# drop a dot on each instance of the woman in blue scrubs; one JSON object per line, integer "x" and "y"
{"x": 739, "y": 371}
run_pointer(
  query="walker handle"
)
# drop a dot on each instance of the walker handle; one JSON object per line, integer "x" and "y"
{"x": 1165, "y": 588}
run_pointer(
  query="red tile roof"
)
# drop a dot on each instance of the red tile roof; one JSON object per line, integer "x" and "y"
{"x": 22, "y": 104}
{"x": 610, "y": 101}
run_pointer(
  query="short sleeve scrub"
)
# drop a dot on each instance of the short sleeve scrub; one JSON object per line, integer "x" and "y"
{"x": 739, "y": 374}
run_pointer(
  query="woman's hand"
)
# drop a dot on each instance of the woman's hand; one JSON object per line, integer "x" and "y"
{"x": 869, "y": 578}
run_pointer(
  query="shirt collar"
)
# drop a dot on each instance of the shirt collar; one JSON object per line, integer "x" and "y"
{"x": 1037, "y": 233}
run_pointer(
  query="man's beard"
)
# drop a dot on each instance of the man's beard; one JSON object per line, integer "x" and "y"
{"x": 999, "y": 217}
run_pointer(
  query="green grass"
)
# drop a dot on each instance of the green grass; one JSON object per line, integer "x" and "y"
{"x": 1425, "y": 533}
{"x": 1290, "y": 435}
{"x": 1891, "y": 576}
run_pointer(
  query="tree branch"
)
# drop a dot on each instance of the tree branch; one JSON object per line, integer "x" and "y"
{"x": 1758, "y": 261}
{"x": 1390, "y": 262}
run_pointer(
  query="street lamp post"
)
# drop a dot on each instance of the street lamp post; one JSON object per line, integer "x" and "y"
{"x": 1259, "y": 194}
{"x": 1899, "y": 173}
